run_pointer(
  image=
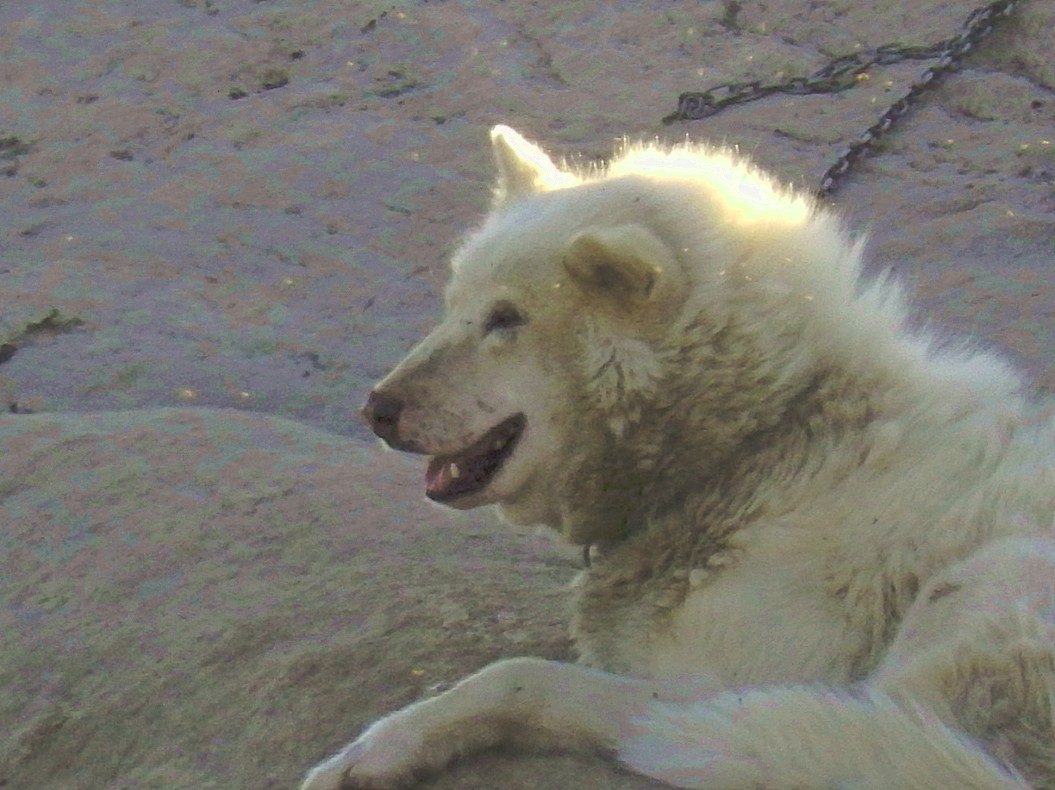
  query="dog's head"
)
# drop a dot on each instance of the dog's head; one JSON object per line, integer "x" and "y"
{"x": 611, "y": 328}
{"x": 547, "y": 343}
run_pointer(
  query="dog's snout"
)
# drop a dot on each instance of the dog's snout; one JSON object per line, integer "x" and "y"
{"x": 382, "y": 412}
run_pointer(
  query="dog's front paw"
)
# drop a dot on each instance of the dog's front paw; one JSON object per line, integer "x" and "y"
{"x": 388, "y": 755}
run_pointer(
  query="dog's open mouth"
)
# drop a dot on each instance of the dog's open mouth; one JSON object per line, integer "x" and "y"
{"x": 469, "y": 471}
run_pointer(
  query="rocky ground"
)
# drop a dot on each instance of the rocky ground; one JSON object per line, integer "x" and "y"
{"x": 223, "y": 219}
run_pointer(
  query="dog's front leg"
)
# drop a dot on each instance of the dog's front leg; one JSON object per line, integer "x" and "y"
{"x": 807, "y": 738}
{"x": 530, "y": 703}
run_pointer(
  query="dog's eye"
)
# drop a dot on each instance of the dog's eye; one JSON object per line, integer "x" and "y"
{"x": 503, "y": 316}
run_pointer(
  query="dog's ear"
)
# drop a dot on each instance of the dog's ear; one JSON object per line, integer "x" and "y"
{"x": 523, "y": 167}
{"x": 626, "y": 263}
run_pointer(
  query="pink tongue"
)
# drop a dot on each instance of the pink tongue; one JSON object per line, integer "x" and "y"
{"x": 438, "y": 475}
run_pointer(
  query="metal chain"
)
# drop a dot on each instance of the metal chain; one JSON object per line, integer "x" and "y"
{"x": 842, "y": 73}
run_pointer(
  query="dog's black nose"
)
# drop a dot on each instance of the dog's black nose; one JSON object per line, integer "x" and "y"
{"x": 382, "y": 412}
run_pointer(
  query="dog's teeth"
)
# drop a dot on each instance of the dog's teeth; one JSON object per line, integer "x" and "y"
{"x": 455, "y": 472}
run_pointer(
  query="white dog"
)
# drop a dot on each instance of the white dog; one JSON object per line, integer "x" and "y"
{"x": 824, "y": 547}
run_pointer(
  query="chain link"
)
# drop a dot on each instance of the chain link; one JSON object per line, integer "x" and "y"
{"x": 843, "y": 73}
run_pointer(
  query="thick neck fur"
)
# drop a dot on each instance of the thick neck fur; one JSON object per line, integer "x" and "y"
{"x": 735, "y": 443}
{"x": 702, "y": 446}
{"x": 679, "y": 523}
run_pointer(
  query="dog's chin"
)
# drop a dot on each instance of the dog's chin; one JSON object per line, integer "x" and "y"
{"x": 468, "y": 501}
{"x": 523, "y": 513}
{"x": 511, "y": 495}
{"x": 524, "y": 493}
{"x": 473, "y": 477}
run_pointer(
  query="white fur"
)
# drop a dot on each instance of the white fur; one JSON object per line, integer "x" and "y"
{"x": 825, "y": 546}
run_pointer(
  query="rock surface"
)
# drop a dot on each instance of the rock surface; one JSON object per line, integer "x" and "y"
{"x": 223, "y": 220}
